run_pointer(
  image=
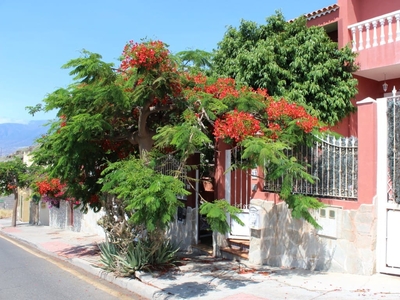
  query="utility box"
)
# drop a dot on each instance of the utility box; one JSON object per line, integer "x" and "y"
{"x": 329, "y": 218}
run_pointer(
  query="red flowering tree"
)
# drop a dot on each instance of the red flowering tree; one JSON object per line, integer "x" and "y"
{"x": 149, "y": 105}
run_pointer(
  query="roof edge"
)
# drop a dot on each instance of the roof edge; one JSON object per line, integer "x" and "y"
{"x": 319, "y": 13}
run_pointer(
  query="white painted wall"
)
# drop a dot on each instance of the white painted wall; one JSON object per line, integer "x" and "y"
{"x": 87, "y": 223}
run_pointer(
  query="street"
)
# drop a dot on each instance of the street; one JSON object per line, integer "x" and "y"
{"x": 29, "y": 274}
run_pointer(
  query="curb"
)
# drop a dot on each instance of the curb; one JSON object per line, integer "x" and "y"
{"x": 133, "y": 285}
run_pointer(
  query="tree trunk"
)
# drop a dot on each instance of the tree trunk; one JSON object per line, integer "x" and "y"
{"x": 216, "y": 250}
{"x": 144, "y": 141}
{"x": 14, "y": 215}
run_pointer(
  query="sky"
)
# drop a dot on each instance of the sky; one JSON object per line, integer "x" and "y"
{"x": 38, "y": 37}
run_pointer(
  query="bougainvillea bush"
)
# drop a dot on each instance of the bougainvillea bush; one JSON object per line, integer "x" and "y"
{"x": 52, "y": 191}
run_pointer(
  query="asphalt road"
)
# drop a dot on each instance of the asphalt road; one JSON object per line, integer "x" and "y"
{"x": 26, "y": 273}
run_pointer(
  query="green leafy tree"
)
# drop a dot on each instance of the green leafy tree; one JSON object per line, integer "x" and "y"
{"x": 13, "y": 175}
{"x": 290, "y": 60}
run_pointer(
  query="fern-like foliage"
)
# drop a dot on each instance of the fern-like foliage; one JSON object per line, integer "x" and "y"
{"x": 277, "y": 162}
{"x": 217, "y": 213}
{"x": 194, "y": 60}
{"x": 185, "y": 138}
{"x": 300, "y": 206}
{"x": 259, "y": 151}
{"x": 149, "y": 195}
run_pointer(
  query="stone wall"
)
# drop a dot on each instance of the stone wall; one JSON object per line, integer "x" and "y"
{"x": 281, "y": 241}
{"x": 183, "y": 232}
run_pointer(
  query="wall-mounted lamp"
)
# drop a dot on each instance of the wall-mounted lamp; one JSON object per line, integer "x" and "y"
{"x": 254, "y": 187}
{"x": 385, "y": 85}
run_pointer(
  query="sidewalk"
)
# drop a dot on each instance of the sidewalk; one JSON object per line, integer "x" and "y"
{"x": 202, "y": 277}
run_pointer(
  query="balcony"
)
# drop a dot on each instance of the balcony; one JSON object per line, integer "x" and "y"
{"x": 377, "y": 42}
{"x": 381, "y": 28}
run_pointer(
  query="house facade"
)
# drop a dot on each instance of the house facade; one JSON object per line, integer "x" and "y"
{"x": 361, "y": 214}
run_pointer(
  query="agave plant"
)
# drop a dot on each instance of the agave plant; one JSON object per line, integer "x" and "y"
{"x": 140, "y": 256}
{"x": 108, "y": 256}
{"x": 164, "y": 256}
{"x": 135, "y": 259}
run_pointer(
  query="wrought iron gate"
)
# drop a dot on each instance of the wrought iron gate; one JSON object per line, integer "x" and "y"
{"x": 388, "y": 186}
{"x": 237, "y": 192}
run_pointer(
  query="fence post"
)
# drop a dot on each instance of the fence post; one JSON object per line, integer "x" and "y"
{"x": 367, "y": 150}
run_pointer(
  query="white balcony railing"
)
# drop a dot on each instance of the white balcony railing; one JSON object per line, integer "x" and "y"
{"x": 380, "y": 27}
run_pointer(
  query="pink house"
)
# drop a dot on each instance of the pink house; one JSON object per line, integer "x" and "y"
{"x": 362, "y": 213}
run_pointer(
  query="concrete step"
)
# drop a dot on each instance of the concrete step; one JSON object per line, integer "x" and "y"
{"x": 237, "y": 249}
{"x": 203, "y": 249}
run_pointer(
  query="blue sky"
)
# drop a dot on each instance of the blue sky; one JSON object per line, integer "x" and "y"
{"x": 38, "y": 37}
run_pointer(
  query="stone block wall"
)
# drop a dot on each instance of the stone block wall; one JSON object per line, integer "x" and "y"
{"x": 282, "y": 241}
{"x": 184, "y": 232}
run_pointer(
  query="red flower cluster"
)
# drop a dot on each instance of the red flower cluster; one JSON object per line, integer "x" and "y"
{"x": 220, "y": 89}
{"x": 236, "y": 126}
{"x": 52, "y": 188}
{"x": 122, "y": 149}
{"x": 144, "y": 55}
{"x": 280, "y": 111}
{"x": 107, "y": 145}
{"x": 11, "y": 186}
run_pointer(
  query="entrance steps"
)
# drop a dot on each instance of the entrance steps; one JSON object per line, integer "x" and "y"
{"x": 237, "y": 249}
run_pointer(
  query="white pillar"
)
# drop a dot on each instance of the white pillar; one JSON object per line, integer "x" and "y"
{"x": 382, "y": 22}
{"x": 361, "y": 42}
{"x": 390, "y": 33}
{"x": 375, "y": 38}
{"x": 354, "y": 41}
{"x": 368, "y": 43}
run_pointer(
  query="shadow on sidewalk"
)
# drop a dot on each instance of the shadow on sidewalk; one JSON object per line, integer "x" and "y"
{"x": 82, "y": 251}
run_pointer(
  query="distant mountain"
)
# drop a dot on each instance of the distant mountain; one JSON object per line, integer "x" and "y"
{"x": 14, "y": 136}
